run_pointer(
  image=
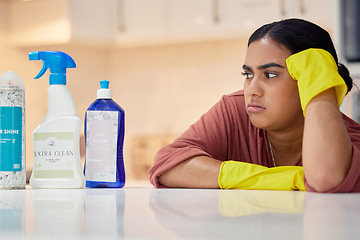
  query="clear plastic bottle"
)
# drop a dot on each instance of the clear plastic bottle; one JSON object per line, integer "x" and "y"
{"x": 12, "y": 132}
{"x": 104, "y": 140}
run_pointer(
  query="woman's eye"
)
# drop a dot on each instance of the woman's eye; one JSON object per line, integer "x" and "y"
{"x": 270, "y": 75}
{"x": 247, "y": 75}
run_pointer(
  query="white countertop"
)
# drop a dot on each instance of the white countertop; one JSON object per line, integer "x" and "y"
{"x": 148, "y": 213}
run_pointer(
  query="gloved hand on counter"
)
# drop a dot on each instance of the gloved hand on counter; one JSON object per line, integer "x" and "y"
{"x": 247, "y": 176}
{"x": 316, "y": 71}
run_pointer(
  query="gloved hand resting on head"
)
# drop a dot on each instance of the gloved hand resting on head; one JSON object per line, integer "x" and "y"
{"x": 316, "y": 71}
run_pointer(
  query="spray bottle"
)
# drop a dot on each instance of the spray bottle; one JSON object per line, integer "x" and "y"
{"x": 57, "y": 161}
{"x": 104, "y": 140}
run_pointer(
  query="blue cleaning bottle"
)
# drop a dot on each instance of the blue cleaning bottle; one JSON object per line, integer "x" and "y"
{"x": 104, "y": 140}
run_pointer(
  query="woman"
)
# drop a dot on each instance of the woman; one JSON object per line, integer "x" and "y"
{"x": 284, "y": 131}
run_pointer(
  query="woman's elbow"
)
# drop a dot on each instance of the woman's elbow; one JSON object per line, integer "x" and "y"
{"x": 166, "y": 180}
{"x": 325, "y": 182}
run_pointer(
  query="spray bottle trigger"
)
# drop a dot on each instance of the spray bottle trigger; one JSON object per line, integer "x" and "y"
{"x": 42, "y": 71}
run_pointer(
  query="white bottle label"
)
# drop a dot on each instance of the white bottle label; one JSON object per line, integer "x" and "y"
{"x": 54, "y": 155}
{"x": 101, "y": 146}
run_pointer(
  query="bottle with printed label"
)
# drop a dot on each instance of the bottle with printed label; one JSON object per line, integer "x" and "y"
{"x": 12, "y": 132}
{"x": 104, "y": 140}
{"x": 57, "y": 161}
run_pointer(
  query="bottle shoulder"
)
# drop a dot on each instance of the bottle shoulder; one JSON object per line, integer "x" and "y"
{"x": 105, "y": 105}
{"x": 60, "y": 124}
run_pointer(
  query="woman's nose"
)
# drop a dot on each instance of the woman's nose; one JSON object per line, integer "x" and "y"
{"x": 253, "y": 87}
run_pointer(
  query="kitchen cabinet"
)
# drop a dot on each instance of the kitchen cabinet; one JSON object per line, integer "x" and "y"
{"x": 140, "y": 21}
{"x": 38, "y": 22}
{"x": 189, "y": 17}
{"x": 206, "y": 19}
{"x": 245, "y": 16}
{"x": 218, "y": 18}
{"x": 45, "y": 22}
{"x": 143, "y": 22}
{"x": 210, "y": 19}
{"x": 320, "y": 12}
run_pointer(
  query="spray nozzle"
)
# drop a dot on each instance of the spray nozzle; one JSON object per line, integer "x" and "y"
{"x": 57, "y": 62}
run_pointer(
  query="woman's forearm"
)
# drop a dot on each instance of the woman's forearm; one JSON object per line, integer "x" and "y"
{"x": 327, "y": 148}
{"x": 197, "y": 172}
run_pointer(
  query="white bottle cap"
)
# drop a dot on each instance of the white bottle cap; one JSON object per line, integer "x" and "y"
{"x": 104, "y": 92}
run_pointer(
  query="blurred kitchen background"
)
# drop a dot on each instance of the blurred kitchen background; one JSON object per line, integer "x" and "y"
{"x": 168, "y": 61}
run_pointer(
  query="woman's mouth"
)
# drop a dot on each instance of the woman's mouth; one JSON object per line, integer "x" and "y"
{"x": 255, "y": 107}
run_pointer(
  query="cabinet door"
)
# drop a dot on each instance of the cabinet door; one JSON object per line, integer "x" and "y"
{"x": 320, "y": 12}
{"x": 93, "y": 21}
{"x": 43, "y": 22}
{"x": 39, "y": 22}
{"x": 140, "y": 20}
{"x": 189, "y": 16}
{"x": 219, "y": 18}
{"x": 245, "y": 16}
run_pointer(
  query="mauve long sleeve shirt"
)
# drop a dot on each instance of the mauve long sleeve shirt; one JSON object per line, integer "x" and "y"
{"x": 225, "y": 132}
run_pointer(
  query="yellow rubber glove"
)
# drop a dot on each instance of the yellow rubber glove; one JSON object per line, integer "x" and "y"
{"x": 241, "y": 175}
{"x": 316, "y": 71}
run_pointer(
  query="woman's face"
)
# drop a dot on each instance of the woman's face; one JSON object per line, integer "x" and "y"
{"x": 271, "y": 95}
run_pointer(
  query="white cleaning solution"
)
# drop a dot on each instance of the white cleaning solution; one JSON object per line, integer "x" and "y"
{"x": 57, "y": 161}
